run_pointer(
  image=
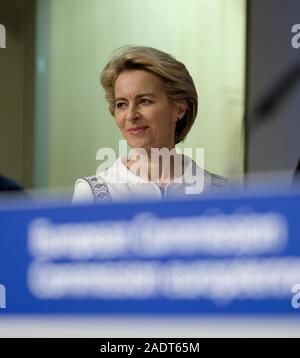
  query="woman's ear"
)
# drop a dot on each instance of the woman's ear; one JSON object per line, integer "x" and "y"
{"x": 181, "y": 109}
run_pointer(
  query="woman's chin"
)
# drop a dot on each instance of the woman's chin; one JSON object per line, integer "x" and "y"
{"x": 137, "y": 143}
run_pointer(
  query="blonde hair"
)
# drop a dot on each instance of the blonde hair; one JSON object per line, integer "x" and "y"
{"x": 173, "y": 74}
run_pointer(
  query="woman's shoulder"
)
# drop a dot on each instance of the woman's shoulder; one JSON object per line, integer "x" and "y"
{"x": 217, "y": 183}
{"x": 212, "y": 183}
{"x": 214, "y": 179}
{"x": 95, "y": 188}
{"x": 91, "y": 189}
{"x": 82, "y": 192}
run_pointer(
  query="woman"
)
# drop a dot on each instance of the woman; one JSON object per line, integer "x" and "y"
{"x": 154, "y": 102}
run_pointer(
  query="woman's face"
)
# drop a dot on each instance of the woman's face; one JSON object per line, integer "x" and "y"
{"x": 143, "y": 112}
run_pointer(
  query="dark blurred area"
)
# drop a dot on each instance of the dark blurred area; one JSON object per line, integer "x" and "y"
{"x": 273, "y": 90}
{"x": 8, "y": 185}
{"x": 297, "y": 173}
{"x": 17, "y": 78}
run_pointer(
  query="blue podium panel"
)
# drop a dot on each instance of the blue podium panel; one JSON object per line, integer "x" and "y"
{"x": 230, "y": 255}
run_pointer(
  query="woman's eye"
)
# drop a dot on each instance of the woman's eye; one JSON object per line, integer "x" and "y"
{"x": 145, "y": 101}
{"x": 120, "y": 105}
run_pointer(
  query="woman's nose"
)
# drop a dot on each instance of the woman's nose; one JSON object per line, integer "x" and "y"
{"x": 131, "y": 113}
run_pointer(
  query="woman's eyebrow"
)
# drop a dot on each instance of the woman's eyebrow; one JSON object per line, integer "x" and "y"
{"x": 148, "y": 94}
{"x": 120, "y": 99}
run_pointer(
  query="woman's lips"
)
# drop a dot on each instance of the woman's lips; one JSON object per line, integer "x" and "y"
{"x": 137, "y": 130}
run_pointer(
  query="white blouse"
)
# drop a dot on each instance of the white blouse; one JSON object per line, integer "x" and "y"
{"x": 123, "y": 184}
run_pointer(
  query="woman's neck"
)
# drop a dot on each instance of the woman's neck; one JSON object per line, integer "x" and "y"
{"x": 158, "y": 165}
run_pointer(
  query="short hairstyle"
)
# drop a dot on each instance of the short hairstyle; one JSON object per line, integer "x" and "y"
{"x": 173, "y": 74}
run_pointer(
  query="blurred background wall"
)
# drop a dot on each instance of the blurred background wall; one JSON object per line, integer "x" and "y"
{"x": 17, "y": 90}
{"x": 75, "y": 38}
